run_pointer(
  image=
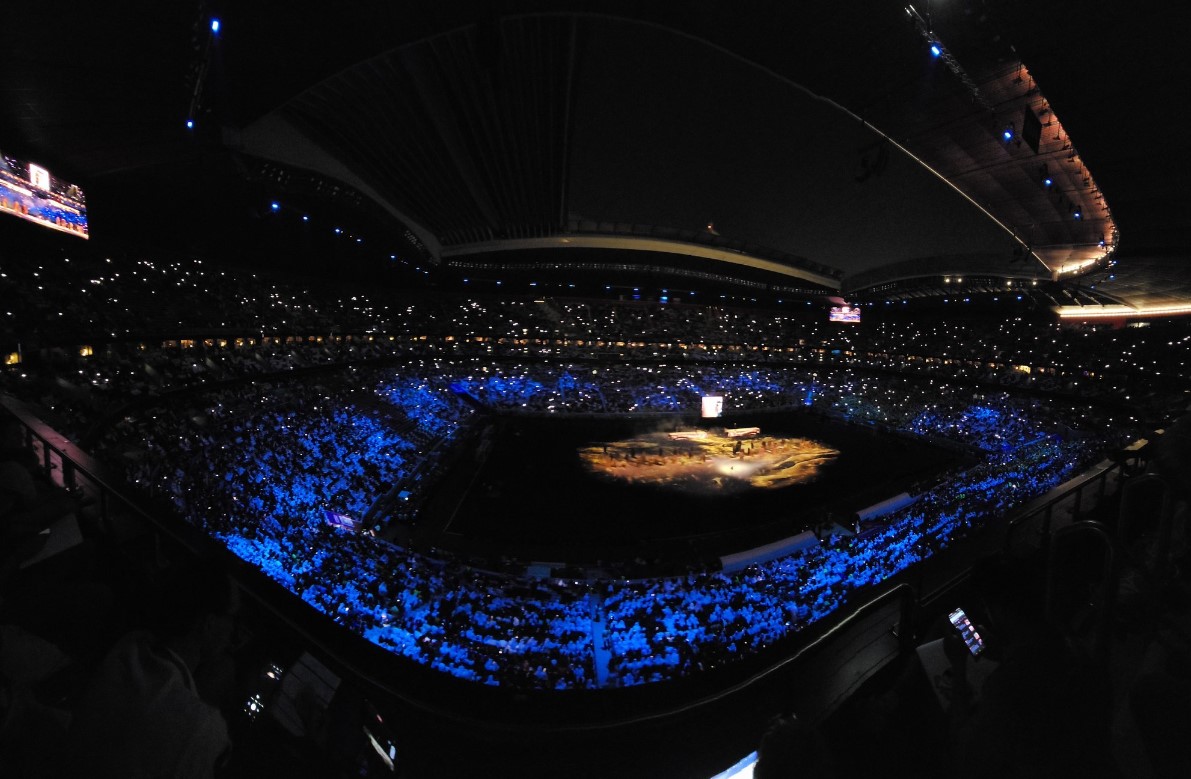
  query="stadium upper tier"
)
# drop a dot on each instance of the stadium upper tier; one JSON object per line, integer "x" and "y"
{"x": 95, "y": 334}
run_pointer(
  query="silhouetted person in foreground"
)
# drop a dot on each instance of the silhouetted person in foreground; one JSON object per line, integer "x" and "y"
{"x": 143, "y": 714}
{"x": 791, "y": 748}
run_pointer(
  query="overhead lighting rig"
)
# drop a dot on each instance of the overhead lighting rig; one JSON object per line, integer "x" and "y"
{"x": 938, "y": 50}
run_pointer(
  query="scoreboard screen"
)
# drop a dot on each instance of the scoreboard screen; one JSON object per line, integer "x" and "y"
{"x": 846, "y": 314}
{"x": 30, "y": 192}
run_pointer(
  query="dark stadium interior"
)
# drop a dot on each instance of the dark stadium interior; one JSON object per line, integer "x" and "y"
{"x": 307, "y": 313}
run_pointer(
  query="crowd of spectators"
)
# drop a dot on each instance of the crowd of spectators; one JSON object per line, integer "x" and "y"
{"x": 281, "y": 455}
{"x": 92, "y": 332}
{"x": 660, "y": 629}
{"x": 405, "y": 376}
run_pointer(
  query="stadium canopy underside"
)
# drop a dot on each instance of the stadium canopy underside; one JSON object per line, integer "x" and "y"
{"x": 858, "y": 146}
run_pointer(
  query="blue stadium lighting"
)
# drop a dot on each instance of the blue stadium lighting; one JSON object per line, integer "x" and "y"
{"x": 189, "y": 124}
{"x": 1048, "y": 181}
{"x": 215, "y": 26}
{"x": 935, "y": 50}
{"x": 275, "y": 206}
{"x": 1007, "y": 134}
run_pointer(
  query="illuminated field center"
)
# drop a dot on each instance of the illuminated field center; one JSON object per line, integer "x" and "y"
{"x": 603, "y": 487}
{"x": 710, "y": 461}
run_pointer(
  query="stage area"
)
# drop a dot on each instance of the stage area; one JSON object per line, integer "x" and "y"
{"x": 713, "y": 463}
{"x": 582, "y": 489}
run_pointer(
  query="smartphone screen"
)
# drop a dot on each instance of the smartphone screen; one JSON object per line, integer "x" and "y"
{"x": 967, "y": 631}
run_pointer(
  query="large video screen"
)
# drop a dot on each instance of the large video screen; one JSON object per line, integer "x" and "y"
{"x": 29, "y": 191}
{"x": 712, "y": 406}
{"x": 846, "y": 314}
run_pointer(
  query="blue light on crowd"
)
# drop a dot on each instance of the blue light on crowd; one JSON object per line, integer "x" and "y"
{"x": 275, "y": 206}
{"x": 215, "y": 26}
{"x": 189, "y": 124}
{"x": 1007, "y": 134}
{"x": 1048, "y": 181}
{"x": 935, "y": 50}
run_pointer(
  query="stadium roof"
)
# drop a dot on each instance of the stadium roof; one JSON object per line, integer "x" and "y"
{"x": 823, "y": 143}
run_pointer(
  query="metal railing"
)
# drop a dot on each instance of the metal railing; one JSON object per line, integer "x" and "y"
{"x": 1042, "y": 510}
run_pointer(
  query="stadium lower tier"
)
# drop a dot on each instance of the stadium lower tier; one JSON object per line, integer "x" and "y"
{"x": 304, "y": 479}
